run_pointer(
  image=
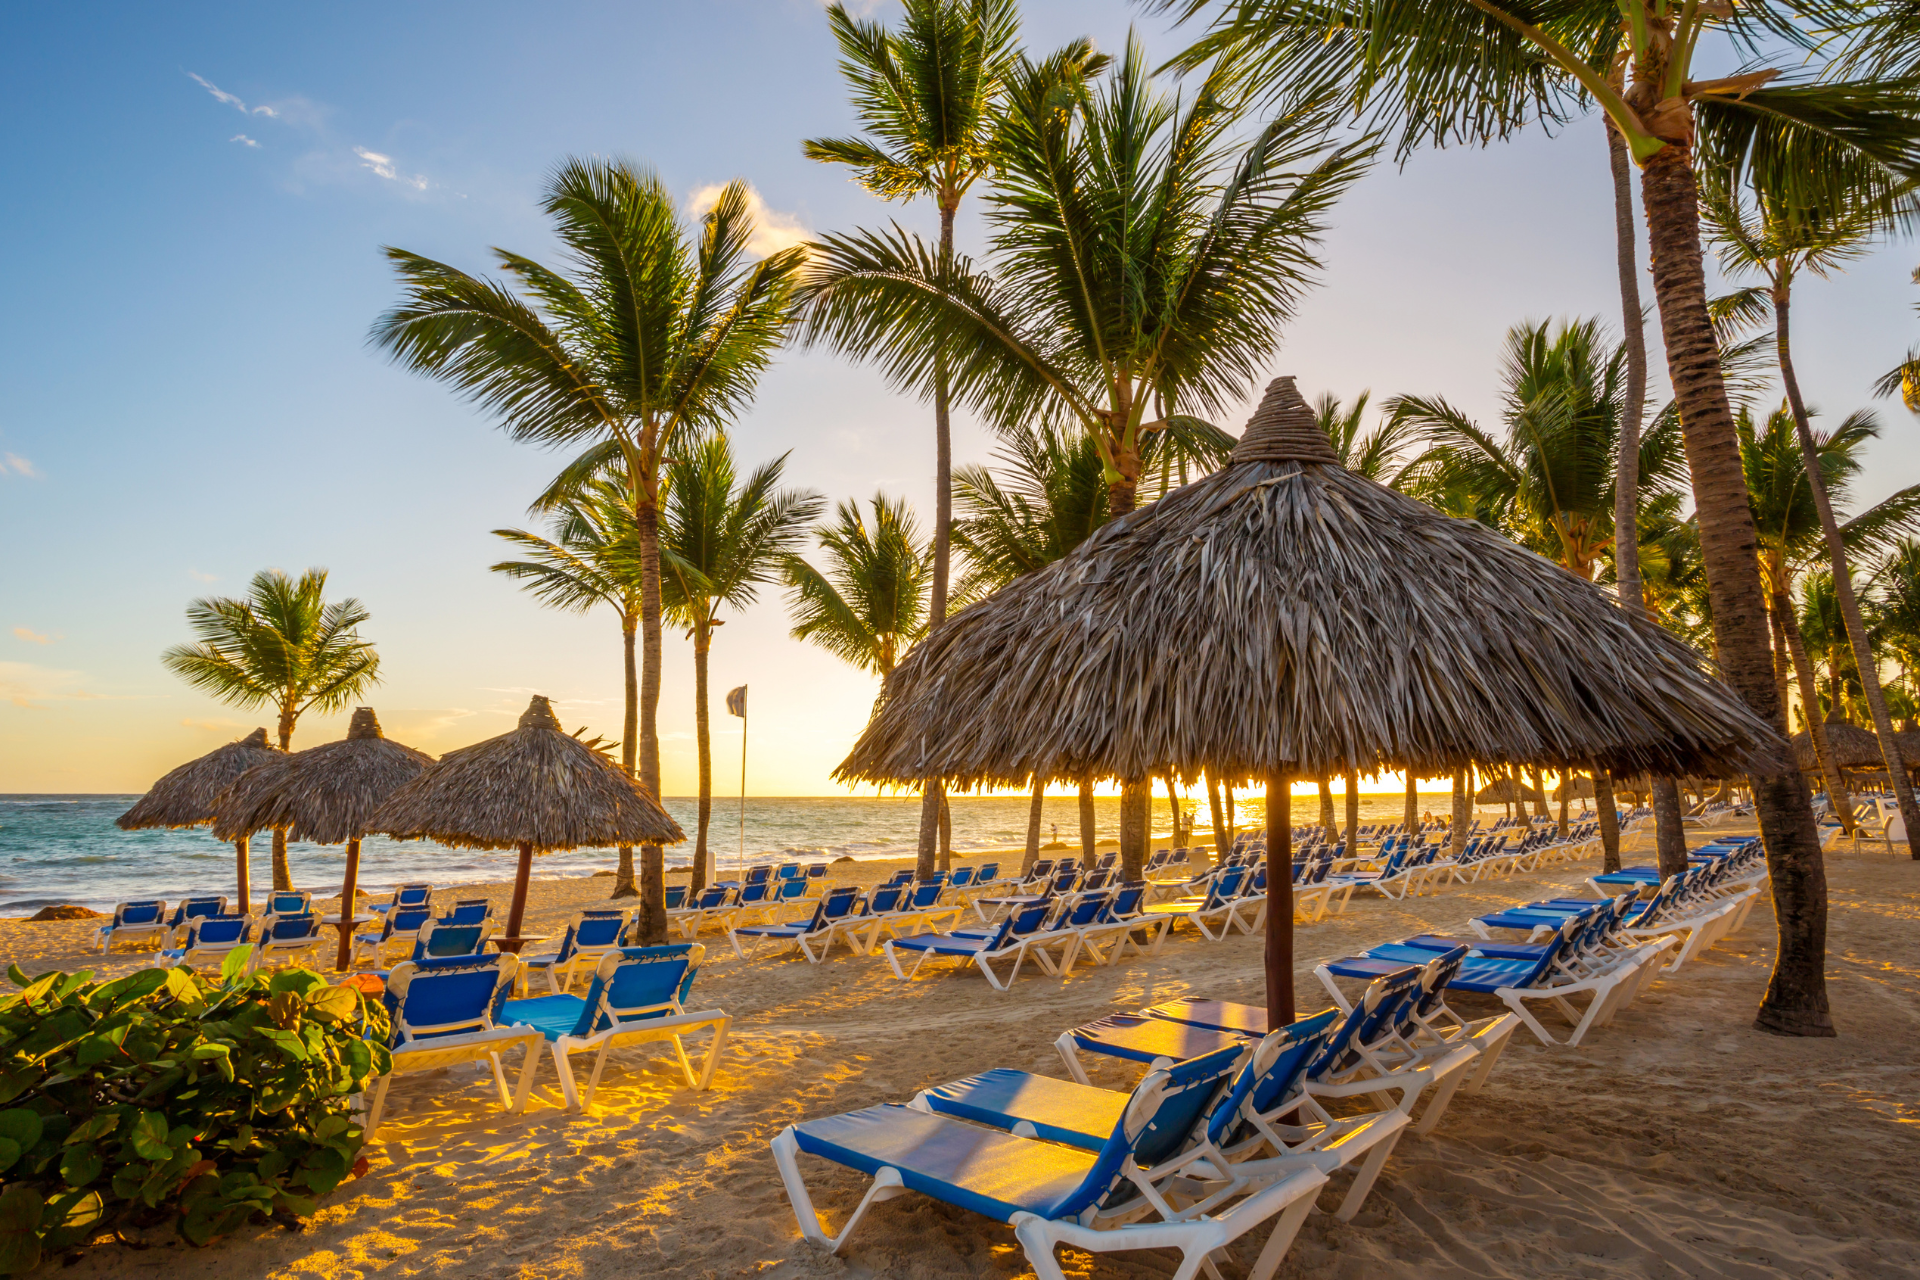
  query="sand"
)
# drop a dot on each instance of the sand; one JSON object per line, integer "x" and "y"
{"x": 1677, "y": 1142}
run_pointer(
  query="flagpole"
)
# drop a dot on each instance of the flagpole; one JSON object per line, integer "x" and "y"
{"x": 743, "y": 791}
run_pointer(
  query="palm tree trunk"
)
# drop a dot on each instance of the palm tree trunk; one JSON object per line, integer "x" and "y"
{"x": 1278, "y": 953}
{"x": 629, "y": 744}
{"x": 1608, "y": 810}
{"x": 1796, "y": 999}
{"x": 1220, "y": 834}
{"x": 1810, "y": 709}
{"x": 243, "y": 876}
{"x": 1032, "y": 853}
{"x": 1413, "y": 805}
{"x": 1566, "y": 794}
{"x": 1782, "y": 662}
{"x": 1226, "y": 790}
{"x": 652, "y": 915}
{"x": 946, "y": 836}
{"x": 703, "y": 737}
{"x": 1136, "y": 811}
{"x": 1843, "y": 580}
{"x": 1088, "y": 829}
{"x": 1173, "y": 807}
{"x": 1353, "y": 806}
{"x": 933, "y": 800}
{"x": 1329, "y": 825}
{"x": 1669, "y": 827}
{"x": 282, "y": 873}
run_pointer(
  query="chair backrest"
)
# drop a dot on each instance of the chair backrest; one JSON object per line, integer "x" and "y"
{"x": 756, "y": 891}
{"x": 987, "y": 871}
{"x": 1274, "y": 1070}
{"x": 713, "y": 897}
{"x": 1433, "y": 985}
{"x": 1027, "y": 920}
{"x": 1157, "y": 1122}
{"x": 1067, "y": 865}
{"x": 638, "y": 983}
{"x": 289, "y": 902}
{"x": 962, "y": 877}
{"x": 444, "y": 997}
{"x": 469, "y": 911}
{"x": 787, "y": 871}
{"x": 1040, "y": 871}
{"x": 599, "y": 930}
{"x": 1096, "y": 879}
{"x": 926, "y": 893}
{"x": 291, "y": 928}
{"x": 901, "y": 877}
{"x": 793, "y": 888}
{"x": 677, "y": 896}
{"x": 1125, "y": 903}
{"x": 1377, "y": 1007}
{"x": 1062, "y": 882}
{"x": 192, "y": 908}
{"x": 405, "y": 922}
{"x": 885, "y": 900}
{"x": 140, "y": 911}
{"x": 839, "y": 902}
{"x": 758, "y": 873}
{"x": 441, "y": 938}
{"x": 816, "y": 870}
{"x": 1106, "y": 861}
{"x": 1158, "y": 859}
{"x": 1226, "y": 886}
{"x": 218, "y": 930}
{"x": 1085, "y": 909}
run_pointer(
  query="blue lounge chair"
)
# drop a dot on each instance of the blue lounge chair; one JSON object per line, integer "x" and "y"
{"x": 142, "y": 918}
{"x": 439, "y": 940}
{"x": 446, "y": 1012}
{"x": 1008, "y": 941}
{"x": 192, "y": 909}
{"x": 816, "y": 871}
{"x": 835, "y": 916}
{"x": 210, "y": 939}
{"x": 399, "y": 929}
{"x": 676, "y": 896}
{"x": 469, "y": 911}
{"x": 284, "y": 939}
{"x": 289, "y": 902}
{"x": 587, "y": 939}
{"x": 636, "y": 997}
{"x": 1208, "y": 912}
{"x": 414, "y": 893}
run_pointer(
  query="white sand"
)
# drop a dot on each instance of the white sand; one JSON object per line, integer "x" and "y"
{"x": 1677, "y": 1142}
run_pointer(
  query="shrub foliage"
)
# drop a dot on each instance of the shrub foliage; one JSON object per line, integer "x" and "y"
{"x": 166, "y": 1094}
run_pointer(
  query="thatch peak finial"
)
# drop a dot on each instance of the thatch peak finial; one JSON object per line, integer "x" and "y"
{"x": 258, "y": 738}
{"x": 1283, "y": 429}
{"x": 364, "y": 725}
{"x": 539, "y": 715}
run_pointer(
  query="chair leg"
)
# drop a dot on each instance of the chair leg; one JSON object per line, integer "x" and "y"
{"x": 500, "y": 1081}
{"x": 563, "y": 1067}
{"x": 720, "y": 1030}
{"x": 886, "y": 1185}
{"x": 375, "y": 1107}
{"x": 1069, "y": 1054}
{"x": 527, "y": 1069}
{"x": 1366, "y": 1174}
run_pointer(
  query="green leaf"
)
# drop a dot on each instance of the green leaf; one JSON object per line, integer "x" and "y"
{"x": 235, "y": 964}
{"x": 98, "y": 1125}
{"x": 70, "y": 1218}
{"x": 81, "y": 1164}
{"x": 149, "y": 1136}
{"x": 22, "y": 1129}
{"x": 21, "y": 1209}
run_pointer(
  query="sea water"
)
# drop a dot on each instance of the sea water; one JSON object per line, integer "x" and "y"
{"x": 66, "y": 849}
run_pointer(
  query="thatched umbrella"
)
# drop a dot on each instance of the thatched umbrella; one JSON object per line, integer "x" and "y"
{"x": 185, "y": 797}
{"x": 535, "y": 789}
{"x": 1581, "y": 785}
{"x": 324, "y": 794}
{"x": 1852, "y": 746}
{"x": 1286, "y": 618}
{"x": 1504, "y": 791}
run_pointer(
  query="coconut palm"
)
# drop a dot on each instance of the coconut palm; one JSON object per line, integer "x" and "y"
{"x": 721, "y": 539}
{"x": 1376, "y": 454}
{"x": 649, "y": 335}
{"x": 1897, "y": 615}
{"x": 591, "y": 558}
{"x": 282, "y": 646}
{"x": 1435, "y": 71}
{"x": 1757, "y": 233}
{"x": 1548, "y": 480}
{"x": 870, "y": 602}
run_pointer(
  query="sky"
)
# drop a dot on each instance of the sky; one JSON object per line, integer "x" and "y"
{"x": 196, "y": 196}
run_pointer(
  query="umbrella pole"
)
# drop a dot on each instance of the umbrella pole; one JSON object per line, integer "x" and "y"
{"x": 348, "y": 889}
{"x": 519, "y": 908}
{"x": 244, "y": 874}
{"x": 1279, "y": 955}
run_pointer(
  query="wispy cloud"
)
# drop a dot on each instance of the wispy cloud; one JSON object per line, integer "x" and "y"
{"x": 15, "y": 464}
{"x": 383, "y": 167}
{"x": 198, "y": 576}
{"x": 232, "y": 100}
{"x": 772, "y": 230}
{"x": 32, "y": 637}
{"x": 26, "y": 684}
{"x": 244, "y": 139}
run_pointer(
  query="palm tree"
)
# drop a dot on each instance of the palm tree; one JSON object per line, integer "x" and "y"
{"x": 282, "y": 646}
{"x": 652, "y": 335}
{"x": 1549, "y": 480}
{"x": 870, "y": 602}
{"x": 1435, "y": 71}
{"x": 721, "y": 540}
{"x": 591, "y": 558}
{"x": 929, "y": 95}
{"x": 1374, "y": 454}
{"x": 1757, "y": 233}
{"x": 1897, "y": 618}
{"x": 1903, "y": 379}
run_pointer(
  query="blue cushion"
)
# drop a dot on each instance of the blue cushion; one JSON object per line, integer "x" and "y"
{"x": 1059, "y": 1110}
{"x": 1216, "y": 1015}
{"x": 1141, "y": 1039}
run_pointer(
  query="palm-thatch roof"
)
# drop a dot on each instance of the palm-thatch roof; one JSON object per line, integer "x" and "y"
{"x": 185, "y": 797}
{"x": 325, "y": 793}
{"x": 534, "y": 786}
{"x": 1852, "y": 746}
{"x": 1286, "y": 614}
{"x": 1503, "y": 791}
{"x": 1581, "y": 785}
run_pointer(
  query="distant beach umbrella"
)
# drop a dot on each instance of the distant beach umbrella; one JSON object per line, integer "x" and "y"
{"x": 185, "y": 797}
{"x": 1503, "y": 791}
{"x": 1286, "y": 618}
{"x": 324, "y": 794}
{"x": 534, "y": 789}
{"x": 1582, "y": 788}
{"x": 1852, "y": 746}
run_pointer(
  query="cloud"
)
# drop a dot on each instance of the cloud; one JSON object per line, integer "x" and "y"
{"x": 382, "y": 166}
{"x": 221, "y": 95}
{"x": 772, "y": 230}
{"x": 26, "y": 684}
{"x": 19, "y": 465}
{"x": 32, "y": 637}
{"x": 198, "y": 576}
{"x": 213, "y": 726}
{"x": 241, "y": 137}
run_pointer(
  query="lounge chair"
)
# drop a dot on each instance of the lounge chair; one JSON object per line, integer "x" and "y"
{"x": 289, "y": 902}
{"x": 469, "y": 911}
{"x": 636, "y": 997}
{"x": 676, "y": 896}
{"x": 835, "y": 916}
{"x": 414, "y": 893}
{"x": 715, "y": 903}
{"x": 1211, "y": 913}
{"x": 1007, "y": 941}
{"x": 1121, "y": 924}
{"x": 188, "y": 909}
{"x": 141, "y": 918}
{"x": 587, "y": 939}
{"x": 210, "y": 939}
{"x": 446, "y": 1012}
{"x": 399, "y": 929}
{"x": 1061, "y": 881}
{"x": 441, "y": 939}
{"x": 1055, "y": 944}
{"x": 283, "y": 939}
{"x": 1052, "y": 1193}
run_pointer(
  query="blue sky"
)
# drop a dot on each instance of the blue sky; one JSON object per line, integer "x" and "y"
{"x": 195, "y": 197}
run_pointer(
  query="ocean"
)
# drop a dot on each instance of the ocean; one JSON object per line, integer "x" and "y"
{"x": 65, "y": 849}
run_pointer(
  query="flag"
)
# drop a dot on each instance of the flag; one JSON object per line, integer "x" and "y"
{"x": 737, "y": 702}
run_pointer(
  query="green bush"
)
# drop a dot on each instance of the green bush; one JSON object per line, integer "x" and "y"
{"x": 165, "y": 1094}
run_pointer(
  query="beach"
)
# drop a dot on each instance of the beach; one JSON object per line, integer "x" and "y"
{"x": 1676, "y": 1142}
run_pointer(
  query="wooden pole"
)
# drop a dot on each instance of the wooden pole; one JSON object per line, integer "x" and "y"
{"x": 244, "y": 874}
{"x": 519, "y": 908}
{"x": 1279, "y": 956}
{"x": 347, "y": 890}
